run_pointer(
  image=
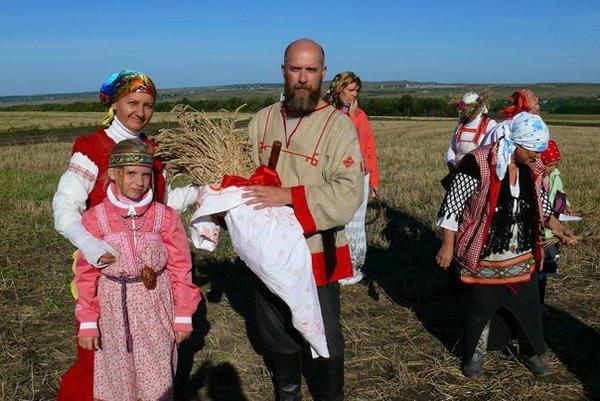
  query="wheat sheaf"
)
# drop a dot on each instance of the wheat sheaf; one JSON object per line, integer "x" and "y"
{"x": 204, "y": 147}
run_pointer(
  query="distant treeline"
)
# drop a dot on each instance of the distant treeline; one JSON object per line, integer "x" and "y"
{"x": 406, "y": 105}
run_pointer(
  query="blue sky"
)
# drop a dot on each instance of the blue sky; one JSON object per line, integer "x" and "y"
{"x": 72, "y": 46}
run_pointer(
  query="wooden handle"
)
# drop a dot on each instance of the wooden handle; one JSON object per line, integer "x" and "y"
{"x": 274, "y": 156}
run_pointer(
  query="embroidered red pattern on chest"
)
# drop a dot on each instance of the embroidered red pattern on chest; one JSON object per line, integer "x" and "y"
{"x": 348, "y": 162}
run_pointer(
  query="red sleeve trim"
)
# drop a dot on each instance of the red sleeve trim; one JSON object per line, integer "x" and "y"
{"x": 301, "y": 210}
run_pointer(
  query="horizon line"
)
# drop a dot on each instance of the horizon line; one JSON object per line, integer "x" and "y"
{"x": 364, "y": 82}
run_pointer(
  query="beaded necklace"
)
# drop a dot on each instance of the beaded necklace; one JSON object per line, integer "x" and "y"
{"x": 133, "y": 228}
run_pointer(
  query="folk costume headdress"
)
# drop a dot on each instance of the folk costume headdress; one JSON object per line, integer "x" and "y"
{"x": 471, "y": 104}
{"x": 522, "y": 100}
{"x": 525, "y": 130}
{"x": 131, "y": 152}
{"x": 120, "y": 84}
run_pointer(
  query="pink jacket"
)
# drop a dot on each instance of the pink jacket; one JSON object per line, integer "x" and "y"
{"x": 366, "y": 141}
{"x": 186, "y": 295}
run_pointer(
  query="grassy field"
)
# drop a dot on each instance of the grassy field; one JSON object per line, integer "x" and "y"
{"x": 39, "y": 121}
{"x": 12, "y": 121}
{"x": 49, "y": 122}
{"x": 401, "y": 332}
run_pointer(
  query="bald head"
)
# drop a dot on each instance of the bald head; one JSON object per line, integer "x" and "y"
{"x": 303, "y": 46}
{"x": 303, "y": 71}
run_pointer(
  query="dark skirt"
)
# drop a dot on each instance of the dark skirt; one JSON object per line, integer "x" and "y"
{"x": 513, "y": 311}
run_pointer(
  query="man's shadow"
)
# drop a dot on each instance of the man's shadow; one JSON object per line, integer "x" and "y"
{"x": 577, "y": 345}
{"x": 236, "y": 282}
{"x": 213, "y": 382}
{"x": 406, "y": 271}
{"x": 230, "y": 279}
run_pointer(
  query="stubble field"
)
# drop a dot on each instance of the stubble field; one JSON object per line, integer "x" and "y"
{"x": 402, "y": 331}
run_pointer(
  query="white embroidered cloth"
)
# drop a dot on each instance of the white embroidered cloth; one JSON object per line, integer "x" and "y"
{"x": 271, "y": 242}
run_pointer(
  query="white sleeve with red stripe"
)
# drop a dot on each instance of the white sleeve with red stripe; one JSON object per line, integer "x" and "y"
{"x": 69, "y": 203}
{"x": 73, "y": 191}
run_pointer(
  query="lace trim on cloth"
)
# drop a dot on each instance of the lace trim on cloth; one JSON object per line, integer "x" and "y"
{"x": 462, "y": 188}
{"x": 546, "y": 205}
{"x": 511, "y": 230}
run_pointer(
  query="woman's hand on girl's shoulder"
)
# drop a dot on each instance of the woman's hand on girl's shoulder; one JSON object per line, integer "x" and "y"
{"x": 106, "y": 259}
{"x": 181, "y": 336}
{"x": 90, "y": 343}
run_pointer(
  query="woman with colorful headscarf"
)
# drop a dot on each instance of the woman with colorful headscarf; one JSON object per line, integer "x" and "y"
{"x": 520, "y": 101}
{"x": 343, "y": 94}
{"x": 130, "y": 97}
{"x": 492, "y": 219}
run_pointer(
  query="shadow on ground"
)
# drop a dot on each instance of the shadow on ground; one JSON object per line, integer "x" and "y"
{"x": 577, "y": 345}
{"x": 408, "y": 275}
{"x": 216, "y": 382}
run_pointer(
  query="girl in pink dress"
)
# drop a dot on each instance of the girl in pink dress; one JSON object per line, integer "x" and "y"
{"x": 134, "y": 311}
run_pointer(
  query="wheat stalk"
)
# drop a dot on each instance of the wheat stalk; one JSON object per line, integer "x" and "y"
{"x": 205, "y": 148}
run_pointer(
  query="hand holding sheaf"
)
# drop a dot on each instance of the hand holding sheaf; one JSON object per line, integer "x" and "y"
{"x": 561, "y": 232}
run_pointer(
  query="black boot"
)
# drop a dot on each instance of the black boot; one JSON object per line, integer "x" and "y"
{"x": 287, "y": 375}
{"x": 329, "y": 377}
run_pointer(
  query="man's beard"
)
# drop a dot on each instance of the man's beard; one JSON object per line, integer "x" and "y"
{"x": 297, "y": 105}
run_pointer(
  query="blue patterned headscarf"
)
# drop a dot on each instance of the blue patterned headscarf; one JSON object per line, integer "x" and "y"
{"x": 526, "y": 130}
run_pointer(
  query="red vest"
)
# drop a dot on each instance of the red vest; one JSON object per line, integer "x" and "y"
{"x": 97, "y": 147}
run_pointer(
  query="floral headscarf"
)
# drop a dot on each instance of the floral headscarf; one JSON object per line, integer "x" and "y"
{"x": 120, "y": 84}
{"x": 526, "y": 130}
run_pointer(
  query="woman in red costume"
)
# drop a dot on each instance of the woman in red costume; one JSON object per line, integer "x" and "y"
{"x": 130, "y": 97}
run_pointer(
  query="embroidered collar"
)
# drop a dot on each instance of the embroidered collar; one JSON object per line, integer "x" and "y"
{"x": 119, "y": 132}
{"x": 132, "y": 208}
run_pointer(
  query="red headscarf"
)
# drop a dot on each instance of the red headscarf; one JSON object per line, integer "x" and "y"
{"x": 551, "y": 154}
{"x": 522, "y": 100}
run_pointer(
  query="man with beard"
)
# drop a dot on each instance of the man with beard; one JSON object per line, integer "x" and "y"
{"x": 319, "y": 167}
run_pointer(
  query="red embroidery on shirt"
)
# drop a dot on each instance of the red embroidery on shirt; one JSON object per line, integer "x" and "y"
{"x": 82, "y": 171}
{"x": 348, "y": 162}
